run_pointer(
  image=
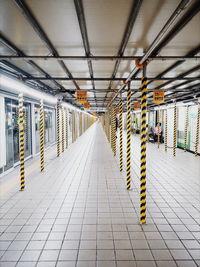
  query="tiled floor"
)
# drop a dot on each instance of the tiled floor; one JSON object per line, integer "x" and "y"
{"x": 78, "y": 212}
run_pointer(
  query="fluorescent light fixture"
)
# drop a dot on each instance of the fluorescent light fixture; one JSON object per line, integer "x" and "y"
{"x": 18, "y": 87}
{"x": 13, "y": 85}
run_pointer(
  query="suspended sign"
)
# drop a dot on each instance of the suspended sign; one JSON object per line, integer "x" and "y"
{"x": 136, "y": 105}
{"x": 81, "y": 96}
{"x": 158, "y": 97}
{"x": 86, "y": 105}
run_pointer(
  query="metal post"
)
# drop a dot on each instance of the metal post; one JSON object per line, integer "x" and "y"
{"x": 58, "y": 129}
{"x": 66, "y": 128}
{"x": 109, "y": 128}
{"x": 111, "y": 120}
{"x": 197, "y": 133}
{"x": 186, "y": 129}
{"x": 114, "y": 130}
{"x": 41, "y": 136}
{"x": 21, "y": 143}
{"x": 175, "y": 130}
{"x": 143, "y": 134}
{"x": 158, "y": 122}
{"x": 72, "y": 117}
{"x": 158, "y": 128}
{"x": 128, "y": 130}
{"x": 121, "y": 133}
{"x": 63, "y": 131}
{"x": 166, "y": 130}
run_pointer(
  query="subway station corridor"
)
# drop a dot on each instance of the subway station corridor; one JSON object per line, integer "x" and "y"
{"x": 99, "y": 133}
{"x": 79, "y": 213}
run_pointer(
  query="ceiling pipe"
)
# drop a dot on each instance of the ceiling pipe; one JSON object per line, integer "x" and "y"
{"x": 99, "y": 58}
{"x": 41, "y": 33}
{"x": 136, "y": 5}
{"x": 182, "y": 5}
{"x": 82, "y": 24}
{"x": 109, "y": 79}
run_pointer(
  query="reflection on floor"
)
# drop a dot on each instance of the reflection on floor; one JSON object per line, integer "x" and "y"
{"x": 79, "y": 213}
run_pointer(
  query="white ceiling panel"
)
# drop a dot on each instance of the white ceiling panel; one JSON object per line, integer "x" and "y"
{"x": 59, "y": 21}
{"x": 187, "y": 39}
{"x": 103, "y": 69}
{"x": 15, "y": 27}
{"x": 101, "y": 84}
{"x": 106, "y": 22}
{"x": 151, "y": 18}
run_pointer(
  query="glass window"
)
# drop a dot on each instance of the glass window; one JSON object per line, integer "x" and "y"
{"x": 12, "y": 131}
{"x": 9, "y": 134}
{"x": 49, "y": 126}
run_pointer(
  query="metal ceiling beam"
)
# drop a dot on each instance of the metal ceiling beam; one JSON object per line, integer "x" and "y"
{"x": 129, "y": 27}
{"x": 20, "y": 72}
{"x": 101, "y": 58}
{"x": 16, "y": 50}
{"x": 185, "y": 19}
{"x": 38, "y": 29}
{"x": 191, "y": 53}
{"x": 161, "y": 40}
{"x": 169, "y": 79}
{"x": 82, "y": 24}
{"x": 180, "y": 76}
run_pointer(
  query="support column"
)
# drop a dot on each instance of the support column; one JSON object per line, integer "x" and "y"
{"x": 175, "y": 131}
{"x": 121, "y": 133}
{"x": 143, "y": 134}
{"x": 158, "y": 122}
{"x": 41, "y": 136}
{"x": 111, "y": 119}
{"x": 186, "y": 129}
{"x": 21, "y": 143}
{"x": 66, "y": 129}
{"x": 109, "y": 127}
{"x": 72, "y": 126}
{"x": 58, "y": 129}
{"x": 63, "y": 131}
{"x": 128, "y": 130}
{"x": 197, "y": 133}
{"x": 114, "y": 130}
{"x": 166, "y": 130}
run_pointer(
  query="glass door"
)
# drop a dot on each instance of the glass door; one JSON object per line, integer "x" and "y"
{"x": 12, "y": 132}
{"x": 9, "y": 134}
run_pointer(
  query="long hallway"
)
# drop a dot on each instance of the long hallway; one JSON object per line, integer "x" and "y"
{"x": 79, "y": 213}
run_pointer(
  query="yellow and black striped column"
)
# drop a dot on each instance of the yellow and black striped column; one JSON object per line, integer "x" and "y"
{"x": 158, "y": 122}
{"x": 143, "y": 133}
{"x": 114, "y": 130}
{"x": 128, "y": 131}
{"x": 197, "y": 133}
{"x": 120, "y": 134}
{"x": 175, "y": 130}
{"x": 63, "y": 130}
{"x": 66, "y": 129}
{"x": 109, "y": 127}
{"x": 58, "y": 129}
{"x": 111, "y": 120}
{"x": 41, "y": 136}
{"x": 166, "y": 130}
{"x": 186, "y": 129}
{"x": 21, "y": 143}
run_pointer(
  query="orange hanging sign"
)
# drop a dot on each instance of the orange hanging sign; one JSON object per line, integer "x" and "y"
{"x": 86, "y": 105}
{"x": 81, "y": 96}
{"x": 158, "y": 97}
{"x": 136, "y": 105}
